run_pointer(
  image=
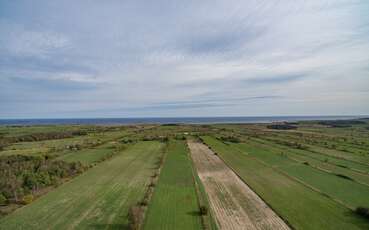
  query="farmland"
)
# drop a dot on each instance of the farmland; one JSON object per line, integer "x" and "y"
{"x": 302, "y": 175}
{"x": 174, "y": 204}
{"x": 235, "y": 205}
{"x": 99, "y": 198}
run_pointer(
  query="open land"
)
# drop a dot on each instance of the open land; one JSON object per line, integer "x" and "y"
{"x": 301, "y": 175}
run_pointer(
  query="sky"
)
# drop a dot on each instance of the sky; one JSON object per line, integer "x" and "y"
{"x": 135, "y": 58}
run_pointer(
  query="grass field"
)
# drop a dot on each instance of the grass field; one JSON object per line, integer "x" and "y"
{"x": 174, "y": 203}
{"x": 58, "y": 147}
{"x": 293, "y": 201}
{"x": 92, "y": 155}
{"x": 98, "y": 199}
{"x": 343, "y": 189}
{"x": 321, "y": 163}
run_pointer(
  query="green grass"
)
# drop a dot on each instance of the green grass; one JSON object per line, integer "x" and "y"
{"x": 14, "y": 131}
{"x": 174, "y": 203}
{"x": 322, "y": 156}
{"x": 97, "y": 199}
{"x": 349, "y": 192}
{"x": 304, "y": 156}
{"x": 59, "y": 146}
{"x": 300, "y": 206}
{"x": 90, "y": 156}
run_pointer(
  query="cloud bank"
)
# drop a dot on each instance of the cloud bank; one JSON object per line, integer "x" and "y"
{"x": 183, "y": 58}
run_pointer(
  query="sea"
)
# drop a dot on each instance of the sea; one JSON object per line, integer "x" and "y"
{"x": 169, "y": 120}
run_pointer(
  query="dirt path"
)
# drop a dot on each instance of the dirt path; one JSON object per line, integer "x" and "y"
{"x": 234, "y": 204}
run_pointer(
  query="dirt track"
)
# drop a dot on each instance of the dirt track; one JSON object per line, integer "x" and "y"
{"x": 233, "y": 203}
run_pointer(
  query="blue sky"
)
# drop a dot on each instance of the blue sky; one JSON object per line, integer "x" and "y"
{"x": 137, "y": 58}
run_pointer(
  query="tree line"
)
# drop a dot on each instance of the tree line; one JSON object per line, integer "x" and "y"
{"x": 22, "y": 177}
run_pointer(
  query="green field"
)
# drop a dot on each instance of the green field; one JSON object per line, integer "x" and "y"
{"x": 56, "y": 147}
{"x": 90, "y": 156}
{"x": 292, "y": 200}
{"x": 98, "y": 199}
{"x": 174, "y": 203}
{"x": 348, "y": 191}
{"x": 313, "y": 160}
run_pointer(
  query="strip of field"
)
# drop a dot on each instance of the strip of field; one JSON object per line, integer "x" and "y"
{"x": 306, "y": 156}
{"x": 347, "y": 154}
{"x": 90, "y": 156}
{"x": 60, "y": 146}
{"x": 340, "y": 188}
{"x": 302, "y": 207}
{"x": 174, "y": 203}
{"x": 235, "y": 205}
{"x": 98, "y": 199}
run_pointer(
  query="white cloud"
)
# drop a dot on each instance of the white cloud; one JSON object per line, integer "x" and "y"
{"x": 18, "y": 41}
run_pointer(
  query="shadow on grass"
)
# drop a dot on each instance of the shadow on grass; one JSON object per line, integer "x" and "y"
{"x": 357, "y": 219}
{"x": 109, "y": 226}
{"x": 194, "y": 213}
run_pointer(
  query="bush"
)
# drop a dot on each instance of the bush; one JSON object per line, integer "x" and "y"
{"x": 203, "y": 210}
{"x": 232, "y": 139}
{"x": 281, "y": 126}
{"x": 27, "y": 199}
{"x": 3, "y": 199}
{"x": 362, "y": 211}
{"x": 341, "y": 123}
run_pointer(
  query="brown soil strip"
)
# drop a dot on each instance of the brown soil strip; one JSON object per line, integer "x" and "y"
{"x": 233, "y": 203}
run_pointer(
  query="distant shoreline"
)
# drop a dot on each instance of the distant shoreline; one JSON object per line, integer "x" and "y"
{"x": 171, "y": 120}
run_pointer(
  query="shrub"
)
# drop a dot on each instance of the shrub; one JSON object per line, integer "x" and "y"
{"x": 27, "y": 199}
{"x": 3, "y": 199}
{"x": 362, "y": 211}
{"x": 341, "y": 123}
{"x": 203, "y": 210}
{"x": 281, "y": 126}
{"x": 143, "y": 203}
{"x": 232, "y": 139}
